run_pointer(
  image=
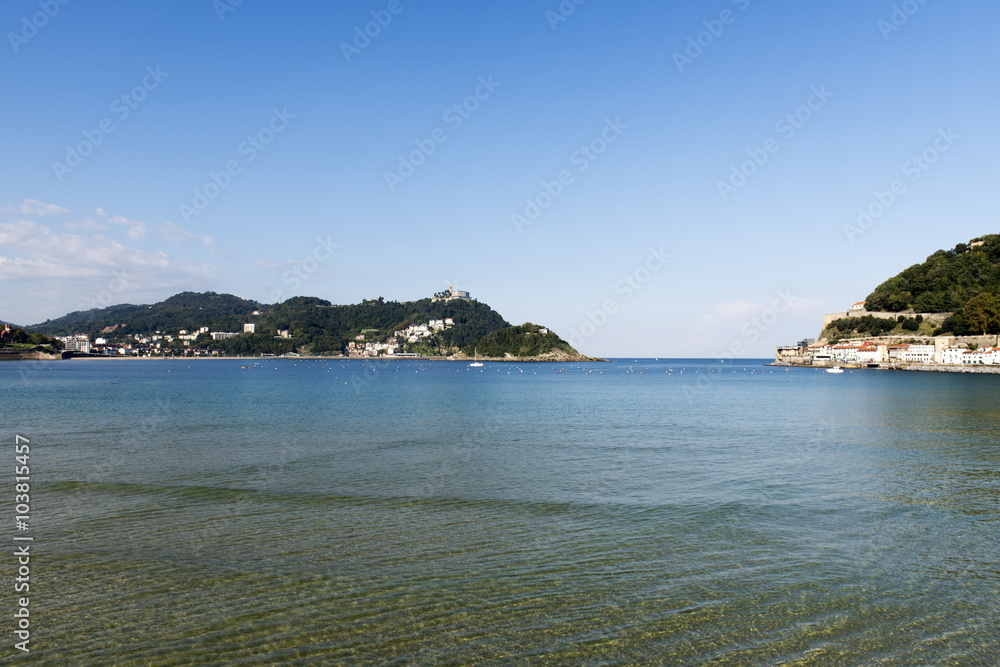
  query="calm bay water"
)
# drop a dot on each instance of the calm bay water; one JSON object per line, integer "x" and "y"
{"x": 255, "y": 512}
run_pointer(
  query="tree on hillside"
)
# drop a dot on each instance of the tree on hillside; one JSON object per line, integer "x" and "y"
{"x": 945, "y": 282}
{"x": 982, "y": 314}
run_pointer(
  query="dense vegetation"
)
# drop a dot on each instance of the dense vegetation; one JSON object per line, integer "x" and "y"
{"x": 526, "y": 340}
{"x": 315, "y": 325}
{"x": 187, "y": 310}
{"x": 980, "y": 315}
{"x": 869, "y": 325}
{"x": 946, "y": 282}
{"x": 21, "y": 339}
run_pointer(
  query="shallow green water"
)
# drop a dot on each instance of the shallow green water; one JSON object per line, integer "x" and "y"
{"x": 641, "y": 511}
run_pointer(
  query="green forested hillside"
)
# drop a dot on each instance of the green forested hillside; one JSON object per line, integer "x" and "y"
{"x": 945, "y": 282}
{"x": 526, "y": 340}
{"x": 315, "y": 325}
{"x": 187, "y": 310}
{"x": 16, "y": 337}
{"x": 326, "y": 328}
{"x": 964, "y": 281}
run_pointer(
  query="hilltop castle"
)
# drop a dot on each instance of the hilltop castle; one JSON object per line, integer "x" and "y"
{"x": 450, "y": 294}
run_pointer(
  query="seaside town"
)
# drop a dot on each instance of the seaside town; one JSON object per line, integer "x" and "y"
{"x": 366, "y": 344}
{"x": 192, "y": 343}
{"x": 156, "y": 344}
{"x": 892, "y": 351}
{"x": 393, "y": 345}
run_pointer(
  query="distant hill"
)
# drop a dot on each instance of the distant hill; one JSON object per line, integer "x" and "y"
{"x": 964, "y": 281}
{"x": 527, "y": 340}
{"x": 326, "y": 328}
{"x": 313, "y": 325}
{"x": 187, "y": 310}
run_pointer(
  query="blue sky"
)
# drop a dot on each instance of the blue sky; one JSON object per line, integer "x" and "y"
{"x": 156, "y": 147}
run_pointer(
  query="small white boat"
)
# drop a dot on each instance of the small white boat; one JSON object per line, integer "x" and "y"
{"x": 835, "y": 369}
{"x": 475, "y": 360}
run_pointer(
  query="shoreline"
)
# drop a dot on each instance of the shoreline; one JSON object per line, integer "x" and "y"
{"x": 943, "y": 368}
{"x": 931, "y": 368}
{"x": 315, "y": 358}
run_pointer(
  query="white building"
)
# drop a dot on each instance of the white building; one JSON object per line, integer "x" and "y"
{"x": 991, "y": 356}
{"x": 896, "y": 352}
{"x": 222, "y": 335}
{"x": 919, "y": 354}
{"x": 972, "y": 357}
{"x": 871, "y": 353}
{"x": 846, "y": 352}
{"x": 453, "y": 293}
{"x": 78, "y": 343}
{"x": 950, "y": 355}
{"x": 249, "y": 328}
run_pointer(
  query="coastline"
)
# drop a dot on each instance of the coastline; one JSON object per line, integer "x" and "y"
{"x": 932, "y": 368}
{"x": 570, "y": 359}
{"x": 943, "y": 368}
{"x": 30, "y": 355}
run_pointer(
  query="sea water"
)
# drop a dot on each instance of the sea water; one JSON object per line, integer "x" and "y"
{"x": 272, "y": 511}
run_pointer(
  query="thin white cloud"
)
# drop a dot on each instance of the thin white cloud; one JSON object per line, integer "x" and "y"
{"x": 85, "y": 225}
{"x": 33, "y": 207}
{"x": 45, "y": 254}
{"x": 729, "y": 311}
{"x": 267, "y": 263}
{"x": 86, "y": 271}
{"x": 49, "y": 270}
{"x": 175, "y": 234}
{"x": 135, "y": 229}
